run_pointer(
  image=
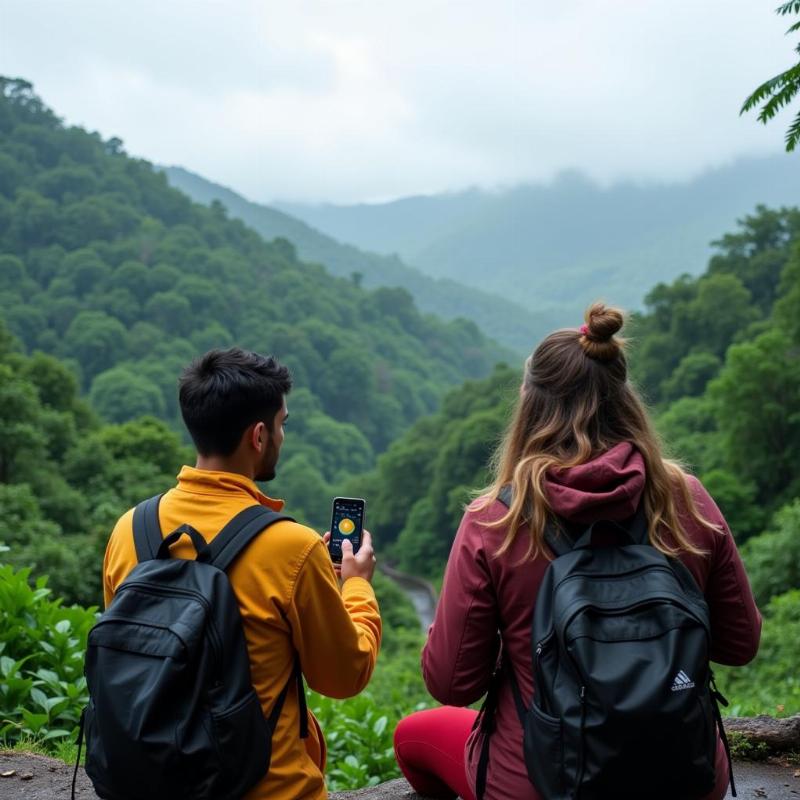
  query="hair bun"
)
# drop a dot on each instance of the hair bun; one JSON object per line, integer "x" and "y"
{"x": 597, "y": 336}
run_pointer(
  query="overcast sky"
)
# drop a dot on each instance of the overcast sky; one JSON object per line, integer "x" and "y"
{"x": 351, "y": 100}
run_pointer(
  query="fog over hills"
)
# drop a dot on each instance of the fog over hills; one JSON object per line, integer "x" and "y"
{"x": 565, "y": 243}
{"x": 502, "y": 319}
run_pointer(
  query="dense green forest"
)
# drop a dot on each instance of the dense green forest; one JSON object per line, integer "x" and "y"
{"x": 125, "y": 279}
{"x": 110, "y": 282}
{"x": 503, "y": 320}
{"x": 560, "y": 245}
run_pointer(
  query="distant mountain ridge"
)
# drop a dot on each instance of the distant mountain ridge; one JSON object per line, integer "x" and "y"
{"x": 564, "y": 244}
{"x": 505, "y": 321}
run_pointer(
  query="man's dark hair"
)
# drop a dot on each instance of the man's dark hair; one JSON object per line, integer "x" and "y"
{"x": 225, "y": 391}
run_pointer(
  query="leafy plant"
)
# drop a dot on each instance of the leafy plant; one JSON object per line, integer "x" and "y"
{"x": 359, "y": 737}
{"x": 770, "y": 683}
{"x": 778, "y": 92}
{"x": 42, "y": 688}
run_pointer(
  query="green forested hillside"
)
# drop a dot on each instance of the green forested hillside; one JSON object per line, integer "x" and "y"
{"x": 563, "y": 244}
{"x": 65, "y": 476}
{"x": 124, "y": 279}
{"x": 418, "y": 491}
{"x": 503, "y": 320}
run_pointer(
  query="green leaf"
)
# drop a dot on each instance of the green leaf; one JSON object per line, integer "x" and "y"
{"x": 40, "y": 698}
{"x": 792, "y": 7}
{"x": 57, "y": 733}
{"x": 793, "y": 134}
{"x": 48, "y": 676}
{"x": 760, "y": 94}
{"x": 778, "y": 101}
{"x": 380, "y": 726}
{"x": 34, "y": 722}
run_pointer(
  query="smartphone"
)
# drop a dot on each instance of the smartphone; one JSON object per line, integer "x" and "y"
{"x": 347, "y": 522}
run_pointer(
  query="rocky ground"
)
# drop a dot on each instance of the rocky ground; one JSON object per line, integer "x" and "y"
{"x": 31, "y": 777}
{"x": 24, "y": 776}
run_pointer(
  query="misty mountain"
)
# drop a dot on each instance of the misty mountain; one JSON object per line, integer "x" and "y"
{"x": 503, "y": 320}
{"x": 565, "y": 243}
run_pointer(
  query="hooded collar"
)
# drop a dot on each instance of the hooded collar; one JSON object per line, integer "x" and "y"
{"x": 609, "y": 486}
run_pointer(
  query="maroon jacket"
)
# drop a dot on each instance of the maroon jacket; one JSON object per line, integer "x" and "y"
{"x": 482, "y": 595}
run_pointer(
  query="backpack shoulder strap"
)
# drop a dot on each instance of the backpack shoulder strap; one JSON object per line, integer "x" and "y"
{"x": 239, "y": 532}
{"x": 637, "y": 527}
{"x": 506, "y": 495}
{"x": 556, "y": 540}
{"x": 485, "y": 719}
{"x": 147, "y": 534}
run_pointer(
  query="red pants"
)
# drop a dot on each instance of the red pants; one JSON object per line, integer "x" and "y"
{"x": 429, "y": 747}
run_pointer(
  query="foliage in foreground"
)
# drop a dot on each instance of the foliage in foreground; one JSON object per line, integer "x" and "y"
{"x": 42, "y": 688}
{"x": 770, "y": 684}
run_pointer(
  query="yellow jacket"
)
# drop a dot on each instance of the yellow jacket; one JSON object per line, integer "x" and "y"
{"x": 291, "y": 604}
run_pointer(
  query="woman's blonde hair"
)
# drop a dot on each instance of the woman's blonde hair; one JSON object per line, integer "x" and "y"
{"x": 576, "y": 402}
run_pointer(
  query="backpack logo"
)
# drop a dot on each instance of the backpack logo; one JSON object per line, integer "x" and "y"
{"x": 682, "y": 681}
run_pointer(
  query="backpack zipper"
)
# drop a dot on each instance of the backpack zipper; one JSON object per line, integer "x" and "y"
{"x": 109, "y": 620}
{"x": 148, "y": 588}
{"x": 616, "y": 576}
{"x": 582, "y": 756}
{"x": 663, "y": 596}
{"x": 537, "y": 665}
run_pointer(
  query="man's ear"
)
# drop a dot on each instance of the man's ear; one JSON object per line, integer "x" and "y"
{"x": 259, "y": 436}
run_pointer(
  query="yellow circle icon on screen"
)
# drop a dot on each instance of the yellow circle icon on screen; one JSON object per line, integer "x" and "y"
{"x": 346, "y": 526}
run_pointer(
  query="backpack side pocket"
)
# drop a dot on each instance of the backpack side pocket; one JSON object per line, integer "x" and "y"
{"x": 244, "y": 744}
{"x": 543, "y": 744}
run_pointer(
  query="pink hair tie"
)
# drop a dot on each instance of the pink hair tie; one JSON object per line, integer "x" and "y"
{"x": 585, "y": 330}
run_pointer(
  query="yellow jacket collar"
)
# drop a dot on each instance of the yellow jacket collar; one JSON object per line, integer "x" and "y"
{"x": 207, "y": 481}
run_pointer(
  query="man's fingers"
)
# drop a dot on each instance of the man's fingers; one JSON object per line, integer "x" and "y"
{"x": 347, "y": 547}
{"x": 326, "y": 537}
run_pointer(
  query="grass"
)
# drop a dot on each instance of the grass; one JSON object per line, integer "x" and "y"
{"x": 63, "y": 749}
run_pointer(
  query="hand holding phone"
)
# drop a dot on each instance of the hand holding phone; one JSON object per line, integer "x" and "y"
{"x": 347, "y": 524}
{"x": 349, "y": 543}
{"x": 361, "y": 565}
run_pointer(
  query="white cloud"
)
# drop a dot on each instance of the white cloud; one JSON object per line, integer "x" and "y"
{"x": 353, "y": 100}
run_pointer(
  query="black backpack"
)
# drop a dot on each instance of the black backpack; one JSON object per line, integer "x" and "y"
{"x": 172, "y": 713}
{"x": 624, "y": 704}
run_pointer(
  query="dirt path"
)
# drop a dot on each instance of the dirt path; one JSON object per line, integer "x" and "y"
{"x": 39, "y": 778}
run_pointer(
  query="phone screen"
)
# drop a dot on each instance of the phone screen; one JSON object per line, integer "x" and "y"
{"x": 347, "y": 522}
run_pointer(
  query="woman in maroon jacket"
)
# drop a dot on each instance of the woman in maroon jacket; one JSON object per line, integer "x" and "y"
{"x": 580, "y": 446}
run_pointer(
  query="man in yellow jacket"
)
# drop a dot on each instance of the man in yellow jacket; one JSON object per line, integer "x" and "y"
{"x": 234, "y": 405}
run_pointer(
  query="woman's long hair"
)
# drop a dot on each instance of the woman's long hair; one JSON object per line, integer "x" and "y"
{"x": 576, "y": 402}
